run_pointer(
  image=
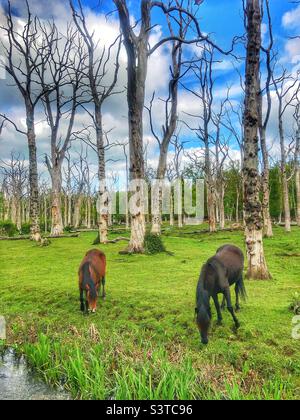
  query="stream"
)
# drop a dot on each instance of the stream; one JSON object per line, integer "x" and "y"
{"x": 18, "y": 382}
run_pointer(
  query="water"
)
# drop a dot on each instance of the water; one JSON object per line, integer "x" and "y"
{"x": 18, "y": 382}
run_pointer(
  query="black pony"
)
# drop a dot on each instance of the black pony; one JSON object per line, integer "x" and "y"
{"x": 217, "y": 275}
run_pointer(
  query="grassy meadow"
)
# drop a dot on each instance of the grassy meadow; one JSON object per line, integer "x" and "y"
{"x": 143, "y": 342}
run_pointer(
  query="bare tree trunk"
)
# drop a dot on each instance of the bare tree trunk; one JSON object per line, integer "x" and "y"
{"x": 89, "y": 212}
{"x": 268, "y": 230}
{"x": 127, "y": 213}
{"x": 65, "y": 209}
{"x": 257, "y": 267}
{"x": 297, "y": 180}
{"x": 13, "y": 210}
{"x": 33, "y": 178}
{"x": 263, "y": 124}
{"x": 6, "y": 205}
{"x": 69, "y": 209}
{"x": 19, "y": 215}
{"x": 157, "y": 210}
{"x": 137, "y": 53}
{"x": 168, "y": 128}
{"x": 221, "y": 205}
{"x": 23, "y": 211}
{"x": 284, "y": 178}
{"x": 45, "y": 214}
{"x": 171, "y": 208}
{"x": 211, "y": 204}
{"x": 297, "y": 173}
{"x": 77, "y": 211}
{"x": 57, "y": 227}
{"x": 237, "y": 210}
{"x": 104, "y": 213}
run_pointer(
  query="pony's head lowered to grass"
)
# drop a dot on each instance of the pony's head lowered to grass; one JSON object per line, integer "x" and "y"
{"x": 203, "y": 311}
{"x": 90, "y": 288}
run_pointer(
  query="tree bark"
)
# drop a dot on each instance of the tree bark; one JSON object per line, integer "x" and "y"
{"x": 69, "y": 209}
{"x": 263, "y": 124}
{"x": 171, "y": 208}
{"x": 221, "y": 205}
{"x": 157, "y": 199}
{"x": 297, "y": 164}
{"x": 35, "y": 233}
{"x": 57, "y": 227}
{"x": 104, "y": 214}
{"x": 65, "y": 209}
{"x": 257, "y": 267}
{"x": 268, "y": 229}
{"x": 297, "y": 173}
{"x": 77, "y": 211}
{"x": 284, "y": 179}
{"x": 237, "y": 210}
{"x": 137, "y": 54}
{"x": 168, "y": 132}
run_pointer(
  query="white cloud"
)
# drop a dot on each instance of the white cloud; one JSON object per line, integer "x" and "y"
{"x": 291, "y": 19}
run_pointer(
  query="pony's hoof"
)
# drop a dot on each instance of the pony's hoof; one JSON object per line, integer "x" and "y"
{"x": 204, "y": 342}
{"x": 237, "y": 309}
{"x": 237, "y": 325}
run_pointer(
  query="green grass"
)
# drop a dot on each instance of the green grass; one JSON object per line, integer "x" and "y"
{"x": 143, "y": 342}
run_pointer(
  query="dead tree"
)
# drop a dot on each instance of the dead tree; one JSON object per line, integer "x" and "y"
{"x": 125, "y": 152}
{"x": 79, "y": 174}
{"x": 45, "y": 203}
{"x": 65, "y": 75}
{"x": 297, "y": 159}
{"x": 263, "y": 125}
{"x": 175, "y": 172}
{"x": 138, "y": 52}
{"x": 286, "y": 88}
{"x": 27, "y": 52}
{"x": 257, "y": 267}
{"x": 202, "y": 70}
{"x": 233, "y": 122}
{"x": 170, "y": 118}
{"x": 15, "y": 178}
{"x": 99, "y": 58}
{"x": 68, "y": 190}
{"x": 221, "y": 155}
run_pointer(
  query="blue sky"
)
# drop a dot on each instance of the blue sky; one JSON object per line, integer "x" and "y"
{"x": 221, "y": 18}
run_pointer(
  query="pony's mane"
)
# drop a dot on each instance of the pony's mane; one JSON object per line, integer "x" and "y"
{"x": 202, "y": 294}
{"x": 87, "y": 280}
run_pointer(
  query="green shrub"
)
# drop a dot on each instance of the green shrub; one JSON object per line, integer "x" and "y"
{"x": 25, "y": 229}
{"x": 8, "y": 228}
{"x": 295, "y": 304}
{"x": 68, "y": 229}
{"x": 153, "y": 244}
{"x": 97, "y": 240}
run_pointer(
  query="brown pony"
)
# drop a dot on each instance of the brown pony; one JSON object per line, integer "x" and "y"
{"x": 91, "y": 274}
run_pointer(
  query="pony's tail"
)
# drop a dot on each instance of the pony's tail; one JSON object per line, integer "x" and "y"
{"x": 241, "y": 289}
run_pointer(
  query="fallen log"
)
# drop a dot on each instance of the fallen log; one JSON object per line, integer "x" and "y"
{"x": 199, "y": 232}
{"x": 24, "y": 238}
{"x": 116, "y": 240}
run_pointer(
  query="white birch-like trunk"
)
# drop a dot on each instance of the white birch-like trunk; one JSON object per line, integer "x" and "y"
{"x": 57, "y": 227}
{"x": 35, "y": 233}
{"x": 257, "y": 267}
